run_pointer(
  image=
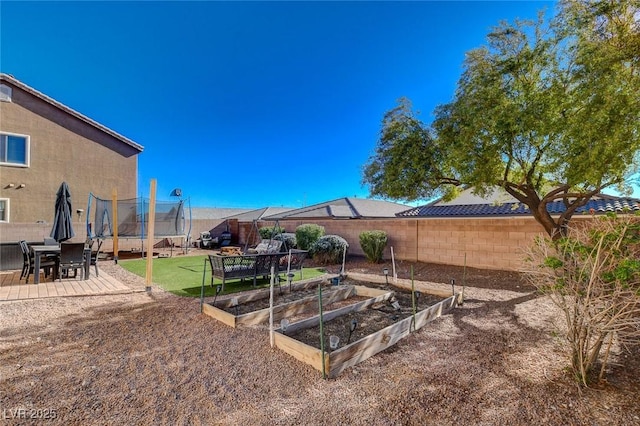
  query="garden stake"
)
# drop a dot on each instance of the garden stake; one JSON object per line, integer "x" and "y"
{"x": 289, "y": 274}
{"x": 413, "y": 301}
{"x": 324, "y": 374}
{"x": 464, "y": 279}
{"x": 271, "y": 335}
{"x": 393, "y": 265}
{"x": 202, "y": 289}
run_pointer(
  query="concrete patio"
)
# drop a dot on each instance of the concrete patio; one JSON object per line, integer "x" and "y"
{"x": 12, "y": 288}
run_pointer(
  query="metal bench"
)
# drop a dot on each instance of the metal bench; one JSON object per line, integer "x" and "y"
{"x": 254, "y": 265}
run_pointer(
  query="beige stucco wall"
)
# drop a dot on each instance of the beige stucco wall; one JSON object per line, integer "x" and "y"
{"x": 62, "y": 148}
{"x": 486, "y": 243}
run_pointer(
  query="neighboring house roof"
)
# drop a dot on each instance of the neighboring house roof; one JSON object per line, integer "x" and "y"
{"x": 600, "y": 204}
{"x": 259, "y": 214}
{"x": 17, "y": 83}
{"x": 215, "y": 213}
{"x": 496, "y": 195}
{"x": 344, "y": 208}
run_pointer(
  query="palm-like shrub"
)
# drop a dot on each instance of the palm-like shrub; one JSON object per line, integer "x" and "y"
{"x": 373, "y": 244}
{"x": 329, "y": 249}
{"x": 308, "y": 234}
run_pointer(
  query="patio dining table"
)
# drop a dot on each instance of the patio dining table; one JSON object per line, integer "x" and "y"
{"x": 39, "y": 251}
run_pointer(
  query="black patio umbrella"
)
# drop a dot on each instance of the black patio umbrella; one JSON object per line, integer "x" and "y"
{"x": 62, "y": 227}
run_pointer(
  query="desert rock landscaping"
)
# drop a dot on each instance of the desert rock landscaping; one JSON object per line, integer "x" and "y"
{"x": 155, "y": 359}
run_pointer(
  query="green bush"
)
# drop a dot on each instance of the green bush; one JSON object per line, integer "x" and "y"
{"x": 329, "y": 249}
{"x": 308, "y": 234}
{"x": 288, "y": 239}
{"x": 268, "y": 232}
{"x": 373, "y": 244}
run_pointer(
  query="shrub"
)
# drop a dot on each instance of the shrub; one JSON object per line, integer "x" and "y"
{"x": 308, "y": 234}
{"x": 593, "y": 276}
{"x": 288, "y": 239}
{"x": 268, "y": 232}
{"x": 329, "y": 249}
{"x": 373, "y": 244}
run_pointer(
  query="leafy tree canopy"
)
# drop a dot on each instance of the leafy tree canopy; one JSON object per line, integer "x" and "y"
{"x": 547, "y": 110}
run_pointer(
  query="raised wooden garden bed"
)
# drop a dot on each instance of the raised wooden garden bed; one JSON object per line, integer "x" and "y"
{"x": 335, "y": 361}
{"x": 232, "y": 311}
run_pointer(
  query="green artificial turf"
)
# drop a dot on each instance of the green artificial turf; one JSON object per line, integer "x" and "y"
{"x": 182, "y": 276}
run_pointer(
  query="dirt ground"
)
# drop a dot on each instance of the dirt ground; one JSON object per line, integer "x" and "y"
{"x": 154, "y": 359}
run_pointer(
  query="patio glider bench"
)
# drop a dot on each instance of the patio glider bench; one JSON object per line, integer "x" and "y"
{"x": 253, "y": 265}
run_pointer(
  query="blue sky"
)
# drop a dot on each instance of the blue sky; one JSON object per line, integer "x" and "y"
{"x": 248, "y": 104}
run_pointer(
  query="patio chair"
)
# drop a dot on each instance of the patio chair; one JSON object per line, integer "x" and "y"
{"x": 71, "y": 258}
{"x": 48, "y": 241}
{"x": 94, "y": 254}
{"x": 28, "y": 263}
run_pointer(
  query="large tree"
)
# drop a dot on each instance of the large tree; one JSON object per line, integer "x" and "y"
{"x": 546, "y": 110}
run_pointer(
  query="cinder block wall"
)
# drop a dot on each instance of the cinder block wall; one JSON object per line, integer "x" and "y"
{"x": 486, "y": 243}
{"x": 202, "y": 225}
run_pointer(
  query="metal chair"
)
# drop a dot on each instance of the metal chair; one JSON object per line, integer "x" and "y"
{"x": 94, "y": 254}
{"x": 28, "y": 263}
{"x": 71, "y": 258}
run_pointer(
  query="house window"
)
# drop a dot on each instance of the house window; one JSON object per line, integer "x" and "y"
{"x": 5, "y": 93}
{"x": 4, "y": 210}
{"x": 14, "y": 149}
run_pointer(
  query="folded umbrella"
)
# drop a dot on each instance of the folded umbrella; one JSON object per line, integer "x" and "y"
{"x": 62, "y": 223}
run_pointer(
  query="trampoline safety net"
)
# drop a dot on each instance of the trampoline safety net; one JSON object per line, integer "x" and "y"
{"x": 133, "y": 218}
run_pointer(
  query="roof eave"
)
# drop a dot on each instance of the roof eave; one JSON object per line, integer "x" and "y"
{"x": 70, "y": 111}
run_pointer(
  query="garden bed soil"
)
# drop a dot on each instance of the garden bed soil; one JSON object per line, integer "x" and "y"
{"x": 370, "y": 320}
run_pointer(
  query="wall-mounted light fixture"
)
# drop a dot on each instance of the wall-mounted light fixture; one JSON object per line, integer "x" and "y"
{"x": 9, "y": 185}
{"x": 22, "y": 185}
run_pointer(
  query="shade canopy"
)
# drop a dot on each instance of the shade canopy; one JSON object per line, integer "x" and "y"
{"x": 62, "y": 223}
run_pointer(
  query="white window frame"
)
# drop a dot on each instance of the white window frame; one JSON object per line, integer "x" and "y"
{"x": 6, "y": 210}
{"x": 27, "y": 150}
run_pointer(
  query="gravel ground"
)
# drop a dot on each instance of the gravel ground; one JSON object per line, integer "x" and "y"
{"x": 154, "y": 359}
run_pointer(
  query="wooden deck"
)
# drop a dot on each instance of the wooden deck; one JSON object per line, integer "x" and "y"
{"x": 12, "y": 288}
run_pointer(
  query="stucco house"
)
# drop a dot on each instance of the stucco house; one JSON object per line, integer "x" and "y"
{"x": 43, "y": 143}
